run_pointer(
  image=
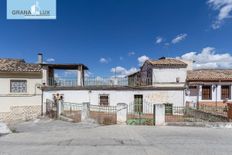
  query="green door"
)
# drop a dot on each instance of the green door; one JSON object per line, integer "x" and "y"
{"x": 138, "y": 103}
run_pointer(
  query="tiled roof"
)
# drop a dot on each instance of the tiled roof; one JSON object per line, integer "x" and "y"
{"x": 209, "y": 75}
{"x": 167, "y": 63}
{"x": 18, "y": 65}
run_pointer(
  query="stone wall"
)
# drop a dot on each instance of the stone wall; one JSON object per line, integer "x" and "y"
{"x": 21, "y": 113}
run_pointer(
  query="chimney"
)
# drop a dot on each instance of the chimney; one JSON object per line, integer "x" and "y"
{"x": 40, "y": 58}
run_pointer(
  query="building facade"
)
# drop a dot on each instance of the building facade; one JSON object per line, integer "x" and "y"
{"x": 209, "y": 87}
{"x": 26, "y": 88}
{"x": 20, "y": 93}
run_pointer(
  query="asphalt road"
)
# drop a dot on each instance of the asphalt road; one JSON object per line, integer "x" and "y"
{"x": 57, "y": 137}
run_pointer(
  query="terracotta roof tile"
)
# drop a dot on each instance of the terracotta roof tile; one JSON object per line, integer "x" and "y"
{"x": 18, "y": 65}
{"x": 168, "y": 63}
{"x": 209, "y": 75}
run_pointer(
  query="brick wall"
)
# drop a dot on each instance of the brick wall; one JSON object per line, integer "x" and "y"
{"x": 213, "y": 103}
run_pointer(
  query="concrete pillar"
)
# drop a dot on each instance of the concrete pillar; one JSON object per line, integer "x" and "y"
{"x": 218, "y": 93}
{"x": 85, "y": 111}
{"x": 159, "y": 114}
{"x": 78, "y": 78}
{"x": 200, "y": 93}
{"x": 121, "y": 113}
{"x": 230, "y": 92}
{"x": 44, "y": 77}
{"x": 59, "y": 108}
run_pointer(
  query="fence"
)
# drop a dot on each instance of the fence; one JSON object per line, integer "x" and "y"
{"x": 72, "y": 110}
{"x": 140, "y": 114}
{"x": 51, "y": 109}
{"x": 104, "y": 114}
{"x": 100, "y": 81}
{"x": 189, "y": 114}
{"x": 105, "y": 81}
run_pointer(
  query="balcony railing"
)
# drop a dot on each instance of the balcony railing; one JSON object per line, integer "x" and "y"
{"x": 99, "y": 81}
{"x": 106, "y": 81}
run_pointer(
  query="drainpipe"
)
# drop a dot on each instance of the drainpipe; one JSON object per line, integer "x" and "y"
{"x": 216, "y": 95}
{"x": 42, "y": 103}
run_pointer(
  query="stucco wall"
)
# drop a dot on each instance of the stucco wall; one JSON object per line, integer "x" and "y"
{"x": 30, "y": 98}
{"x": 216, "y": 95}
{"x": 167, "y": 75}
{"x": 119, "y": 96}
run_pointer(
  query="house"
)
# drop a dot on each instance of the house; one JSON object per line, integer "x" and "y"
{"x": 26, "y": 88}
{"x": 209, "y": 87}
{"x": 20, "y": 96}
{"x": 165, "y": 72}
{"x": 160, "y": 81}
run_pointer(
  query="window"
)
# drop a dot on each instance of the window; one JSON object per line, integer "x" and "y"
{"x": 138, "y": 103}
{"x": 193, "y": 90}
{"x": 18, "y": 86}
{"x": 225, "y": 92}
{"x": 206, "y": 93}
{"x": 104, "y": 100}
{"x": 168, "y": 108}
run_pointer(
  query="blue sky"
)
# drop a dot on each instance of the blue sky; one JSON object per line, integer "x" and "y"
{"x": 121, "y": 34}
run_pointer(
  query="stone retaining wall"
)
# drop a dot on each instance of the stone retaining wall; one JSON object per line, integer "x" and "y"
{"x": 19, "y": 113}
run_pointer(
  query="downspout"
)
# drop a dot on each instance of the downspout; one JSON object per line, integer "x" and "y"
{"x": 42, "y": 103}
{"x": 216, "y": 96}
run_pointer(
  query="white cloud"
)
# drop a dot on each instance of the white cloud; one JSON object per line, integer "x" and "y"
{"x": 131, "y": 53}
{"x": 179, "y": 38}
{"x": 88, "y": 73}
{"x": 122, "y": 72}
{"x": 70, "y": 73}
{"x": 142, "y": 59}
{"x": 224, "y": 7}
{"x": 159, "y": 40}
{"x": 104, "y": 60}
{"x": 209, "y": 59}
{"x": 50, "y": 60}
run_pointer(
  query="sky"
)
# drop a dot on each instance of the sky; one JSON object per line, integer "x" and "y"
{"x": 119, "y": 35}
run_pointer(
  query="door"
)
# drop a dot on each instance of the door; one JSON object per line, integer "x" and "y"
{"x": 138, "y": 103}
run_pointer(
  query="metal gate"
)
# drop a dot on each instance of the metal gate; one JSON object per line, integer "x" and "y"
{"x": 104, "y": 114}
{"x": 140, "y": 114}
{"x": 72, "y": 110}
{"x": 51, "y": 109}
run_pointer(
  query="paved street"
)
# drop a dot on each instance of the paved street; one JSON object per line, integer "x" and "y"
{"x": 57, "y": 137}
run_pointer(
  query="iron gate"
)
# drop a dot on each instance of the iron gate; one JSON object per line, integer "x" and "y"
{"x": 141, "y": 114}
{"x": 104, "y": 114}
{"x": 51, "y": 109}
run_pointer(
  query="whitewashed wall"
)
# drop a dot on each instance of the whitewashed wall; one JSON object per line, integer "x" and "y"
{"x": 8, "y": 99}
{"x": 120, "y": 96}
{"x": 168, "y": 75}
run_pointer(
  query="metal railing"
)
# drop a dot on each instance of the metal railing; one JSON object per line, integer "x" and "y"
{"x": 106, "y": 81}
{"x": 62, "y": 82}
{"x": 99, "y": 81}
{"x": 189, "y": 114}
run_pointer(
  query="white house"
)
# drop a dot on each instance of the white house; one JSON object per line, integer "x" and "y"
{"x": 159, "y": 82}
{"x": 20, "y": 96}
{"x": 25, "y": 88}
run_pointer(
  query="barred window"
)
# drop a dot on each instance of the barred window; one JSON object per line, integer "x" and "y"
{"x": 206, "y": 92}
{"x": 225, "y": 92}
{"x": 104, "y": 100}
{"x": 18, "y": 86}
